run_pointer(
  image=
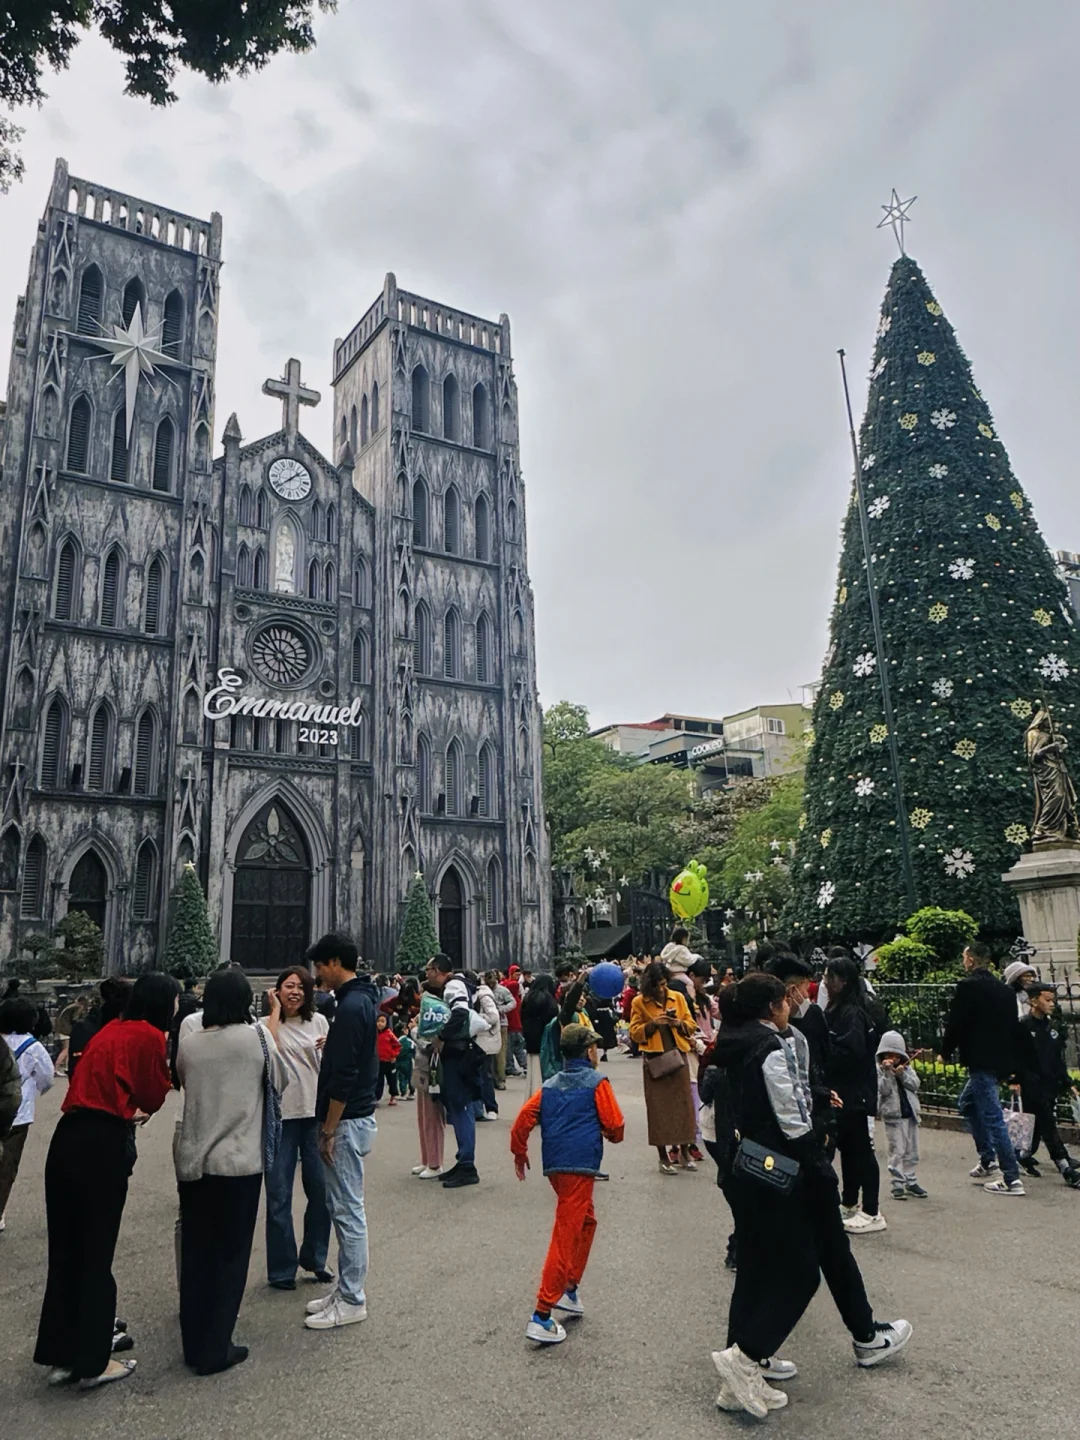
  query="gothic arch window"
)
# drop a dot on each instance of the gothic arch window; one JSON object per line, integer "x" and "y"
{"x": 360, "y": 658}
{"x": 164, "y": 445}
{"x": 523, "y": 749}
{"x": 258, "y": 570}
{"x": 100, "y": 748}
{"x": 67, "y": 576}
{"x": 452, "y": 645}
{"x": 512, "y": 522}
{"x": 482, "y": 527}
{"x": 172, "y": 324}
{"x": 421, "y": 400}
{"x": 375, "y": 408}
{"x": 191, "y": 718}
{"x": 243, "y": 567}
{"x": 91, "y": 295}
{"x": 344, "y": 432}
{"x": 401, "y": 614}
{"x": 196, "y": 574}
{"x": 36, "y": 550}
{"x": 517, "y": 631}
{"x": 486, "y": 783}
{"x": 330, "y": 529}
{"x": 507, "y": 422}
{"x": 481, "y": 421}
{"x": 363, "y": 421}
{"x": 423, "y": 774}
{"x": 118, "y": 461}
{"x": 134, "y": 295}
{"x": 361, "y": 582}
{"x": 53, "y": 745}
{"x": 154, "y": 608}
{"x": 145, "y": 892}
{"x": 50, "y": 410}
{"x": 493, "y": 902}
{"x": 202, "y": 447}
{"x": 452, "y": 522}
{"x": 420, "y": 514}
{"x": 110, "y": 606}
{"x": 484, "y": 667}
{"x": 454, "y": 776}
{"x": 408, "y": 868}
{"x": 244, "y": 510}
{"x": 32, "y": 897}
{"x": 405, "y": 739}
{"x": 78, "y": 445}
{"x": 315, "y": 521}
{"x": 287, "y": 552}
{"x": 260, "y": 508}
{"x": 330, "y": 582}
{"x": 23, "y": 709}
{"x": 451, "y": 408}
{"x": 532, "y": 889}
{"x": 422, "y": 639}
{"x": 88, "y": 888}
{"x": 9, "y": 859}
{"x": 358, "y": 740}
{"x": 145, "y": 767}
{"x": 313, "y": 577}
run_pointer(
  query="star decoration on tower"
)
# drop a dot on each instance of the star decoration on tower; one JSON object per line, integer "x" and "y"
{"x": 896, "y": 217}
{"x": 134, "y": 351}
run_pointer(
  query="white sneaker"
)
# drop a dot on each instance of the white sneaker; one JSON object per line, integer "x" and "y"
{"x": 339, "y": 1313}
{"x": 1005, "y": 1187}
{"x": 848, "y": 1212}
{"x": 545, "y": 1332}
{"x": 314, "y": 1306}
{"x": 890, "y": 1337}
{"x": 417, "y": 1169}
{"x": 428, "y": 1174}
{"x": 774, "y": 1399}
{"x": 776, "y": 1369}
{"x": 985, "y": 1172}
{"x": 59, "y": 1376}
{"x": 570, "y": 1304}
{"x": 856, "y": 1222}
{"x": 867, "y": 1224}
{"x": 3, "y": 1223}
{"x": 742, "y": 1377}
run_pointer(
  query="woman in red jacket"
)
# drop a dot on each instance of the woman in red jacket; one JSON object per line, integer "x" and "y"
{"x": 123, "y": 1076}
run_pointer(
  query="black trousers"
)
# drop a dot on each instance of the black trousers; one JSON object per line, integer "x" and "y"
{"x": 778, "y": 1267}
{"x": 387, "y": 1077}
{"x": 86, "y": 1181}
{"x": 1046, "y": 1129}
{"x": 839, "y": 1269}
{"x": 858, "y": 1163}
{"x": 217, "y": 1225}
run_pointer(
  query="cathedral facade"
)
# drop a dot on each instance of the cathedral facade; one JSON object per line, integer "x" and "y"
{"x": 310, "y": 677}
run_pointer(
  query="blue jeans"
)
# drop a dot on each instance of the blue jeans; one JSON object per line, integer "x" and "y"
{"x": 353, "y": 1140}
{"x": 299, "y": 1138}
{"x": 459, "y": 1092}
{"x": 980, "y": 1104}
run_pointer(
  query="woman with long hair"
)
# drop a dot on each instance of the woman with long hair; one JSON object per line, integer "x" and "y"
{"x": 660, "y": 1023}
{"x": 538, "y": 1009}
{"x": 123, "y": 1077}
{"x": 852, "y": 1072}
{"x": 301, "y": 1035}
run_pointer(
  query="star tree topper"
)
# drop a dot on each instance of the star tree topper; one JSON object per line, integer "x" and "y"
{"x": 136, "y": 352}
{"x": 896, "y": 217}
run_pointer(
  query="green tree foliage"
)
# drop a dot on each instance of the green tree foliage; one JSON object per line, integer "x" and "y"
{"x": 418, "y": 941}
{"x": 946, "y": 932}
{"x": 572, "y": 759}
{"x": 977, "y": 634}
{"x": 716, "y": 815}
{"x": 903, "y": 961}
{"x": 191, "y": 950}
{"x": 156, "y": 38}
{"x": 75, "y": 950}
{"x": 636, "y": 822}
{"x": 754, "y": 869}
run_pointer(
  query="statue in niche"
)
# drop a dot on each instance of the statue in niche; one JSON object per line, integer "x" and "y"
{"x": 1055, "y": 821}
{"x": 285, "y": 560}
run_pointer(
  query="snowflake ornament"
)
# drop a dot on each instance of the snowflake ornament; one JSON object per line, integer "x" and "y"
{"x": 842, "y": 597}
{"x": 920, "y": 818}
{"x": 864, "y": 664}
{"x": 802, "y": 820}
{"x": 836, "y": 699}
{"x": 1016, "y": 834}
{"x": 965, "y": 749}
{"x": 884, "y": 326}
{"x": 934, "y": 307}
{"x": 959, "y": 863}
{"x": 826, "y": 895}
{"x": 878, "y": 734}
{"x": 1017, "y": 501}
{"x": 908, "y": 421}
{"x": 1054, "y": 667}
{"x": 943, "y": 419}
{"x": 878, "y": 507}
{"x": 1042, "y": 617}
{"x": 926, "y": 357}
{"x": 753, "y": 876}
{"x": 986, "y": 432}
{"x": 938, "y": 612}
{"x": 826, "y": 837}
{"x": 864, "y": 787}
{"x": 869, "y": 462}
{"x": 962, "y": 569}
{"x": 992, "y": 521}
{"x": 1021, "y": 709}
{"x": 942, "y": 688}
{"x": 774, "y": 845}
{"x": 938, "y": 472}
{"x": 879, "y": 369}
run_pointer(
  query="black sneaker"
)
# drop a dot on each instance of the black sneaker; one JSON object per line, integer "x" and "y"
{"x": 1071, "y": 1178}
{"x": 914, "y": 1188}
{"x": 466, "y": 1175}
{"x": 1030, "y": 1167}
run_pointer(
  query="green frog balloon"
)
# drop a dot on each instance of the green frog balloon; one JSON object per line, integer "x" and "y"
{"x": 689, "y": 893}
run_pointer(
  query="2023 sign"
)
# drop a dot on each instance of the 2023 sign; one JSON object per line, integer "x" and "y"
{"x": 318, "y": 737}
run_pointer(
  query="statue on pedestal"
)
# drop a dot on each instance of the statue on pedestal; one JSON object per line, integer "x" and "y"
{"x": 1055, "y": 821}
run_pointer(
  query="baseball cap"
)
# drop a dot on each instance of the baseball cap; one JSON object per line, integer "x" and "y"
{"x": 578, "y": 1037}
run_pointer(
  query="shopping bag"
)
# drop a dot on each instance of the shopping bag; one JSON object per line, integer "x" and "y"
{"x": 1021, "y": 1128}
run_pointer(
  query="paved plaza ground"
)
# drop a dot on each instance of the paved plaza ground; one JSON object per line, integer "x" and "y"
{"x": 992, "y": 1287}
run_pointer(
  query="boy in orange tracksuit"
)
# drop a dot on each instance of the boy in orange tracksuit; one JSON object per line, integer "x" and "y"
{"x": 576, "y": 1111}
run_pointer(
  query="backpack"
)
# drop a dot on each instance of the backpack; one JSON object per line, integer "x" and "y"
{"x": 551, "y": 1049}
{"x": 488, "y": 1040}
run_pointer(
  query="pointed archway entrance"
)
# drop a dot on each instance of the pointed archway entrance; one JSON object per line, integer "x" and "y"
{"x": 88, "y": 889}
{"x": 271, "y": 909}
{"x": 452, "y": 918}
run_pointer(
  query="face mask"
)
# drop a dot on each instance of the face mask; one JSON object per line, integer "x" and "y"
{"x": 803, "y": 1008}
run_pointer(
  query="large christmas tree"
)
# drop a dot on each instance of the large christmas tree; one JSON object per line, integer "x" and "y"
{"x": 978, "y": 633}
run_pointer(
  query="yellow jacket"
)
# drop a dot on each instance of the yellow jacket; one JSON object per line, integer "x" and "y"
{"x": 643, "y": 1011}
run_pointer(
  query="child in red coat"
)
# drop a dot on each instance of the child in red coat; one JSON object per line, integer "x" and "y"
{"x": 388, "y": 1048}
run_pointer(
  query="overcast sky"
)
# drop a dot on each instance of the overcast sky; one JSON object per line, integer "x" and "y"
{"x": 675, "y": 204}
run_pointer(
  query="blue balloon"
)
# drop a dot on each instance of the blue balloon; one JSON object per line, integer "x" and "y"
{"x": 606, "y": 980}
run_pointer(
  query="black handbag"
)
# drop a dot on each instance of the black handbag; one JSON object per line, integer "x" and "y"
{"x": 764, "y": 1168}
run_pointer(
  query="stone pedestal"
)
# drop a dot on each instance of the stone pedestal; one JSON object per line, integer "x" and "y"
{"x": 1047, "y": 886}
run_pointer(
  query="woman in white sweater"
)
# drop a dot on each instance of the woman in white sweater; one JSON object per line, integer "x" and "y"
{"x": 218, "y": 1155}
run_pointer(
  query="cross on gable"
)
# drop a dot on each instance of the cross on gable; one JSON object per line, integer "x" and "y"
{"x": 293, "y": 394}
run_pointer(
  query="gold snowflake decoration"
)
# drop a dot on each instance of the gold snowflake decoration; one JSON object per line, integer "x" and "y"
{"x": 938, "y": 612}
{"x": 842, "y": 597}
{"x": 1017, "y": 501}
{"x": 920, "y": 818}
{"x": 926, "y": 357}
{"x": 1016, "y": 834}
{"x": 934, "y": 307}
{"x": 1021, "y": 709}
{"x": 1042, "y": 617}
{"x": 836, "y": 699}
{"x": 809, "y": 734}
{"x": 908, "y": 421}
{"x": 802, "y": 821}
{"x": 986, "y": 431}
{"x": 826, "y": 838}
{"x": 965, "y": 749}
{"x": 878, "y": 734}
{"x": 992, "y": 521}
